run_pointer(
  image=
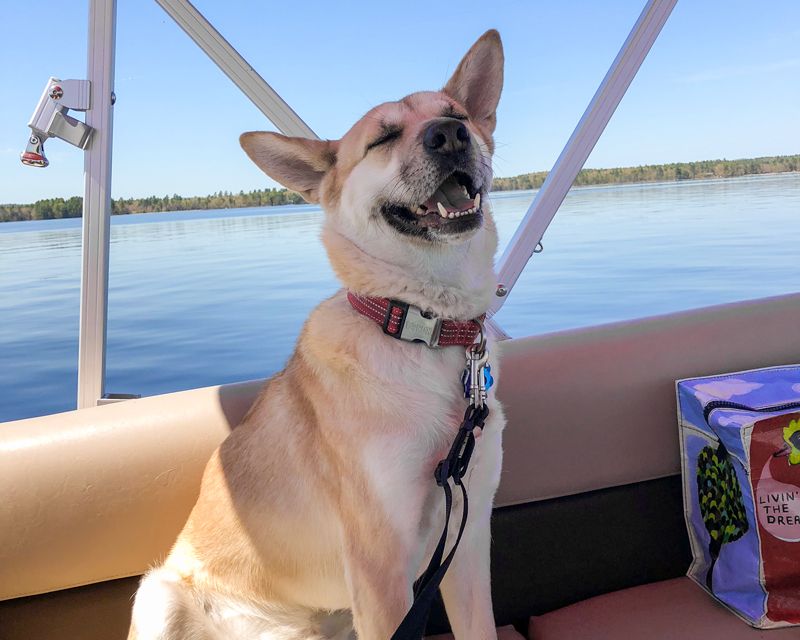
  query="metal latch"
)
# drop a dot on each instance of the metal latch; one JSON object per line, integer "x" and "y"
{"x": 417, "y": 326}
{"x": 50, "y": 119}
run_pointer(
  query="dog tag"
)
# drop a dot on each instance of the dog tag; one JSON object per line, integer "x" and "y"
{"x": 465, "y": 380}
{"x": 488, "y": 380}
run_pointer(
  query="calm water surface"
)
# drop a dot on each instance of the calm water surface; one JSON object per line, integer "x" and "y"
{"x": 209, "y": 297}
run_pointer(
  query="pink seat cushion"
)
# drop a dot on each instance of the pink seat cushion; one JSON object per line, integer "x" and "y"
{"x": 503, "y": 633}
{"x": 671, "y": 610}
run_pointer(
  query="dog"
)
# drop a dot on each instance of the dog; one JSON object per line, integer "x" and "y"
{"x": 320, "y": 510}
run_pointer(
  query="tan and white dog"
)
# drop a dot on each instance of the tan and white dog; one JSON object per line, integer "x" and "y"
{"x": 320, "y": 510}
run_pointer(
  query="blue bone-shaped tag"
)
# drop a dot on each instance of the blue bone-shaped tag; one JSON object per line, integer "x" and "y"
{"x": 488, "y": 380}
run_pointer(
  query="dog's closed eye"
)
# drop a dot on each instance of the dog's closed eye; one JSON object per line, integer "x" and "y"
{"x": 388, "y": 134}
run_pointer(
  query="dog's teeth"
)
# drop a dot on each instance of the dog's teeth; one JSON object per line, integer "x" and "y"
{"x": 451, "y": 216}
{"x": 420, "y": 211}
{"x": 442, "y": 210}
{"x": 477, "y": 201}
{"x": 470, "y": 210}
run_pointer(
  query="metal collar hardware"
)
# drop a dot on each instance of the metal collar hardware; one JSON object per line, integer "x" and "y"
{"x": 418, "y": 327}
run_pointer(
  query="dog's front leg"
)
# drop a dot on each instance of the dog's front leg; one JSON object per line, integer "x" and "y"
{"x": 466, "y": 586}
{"x": 380, "y": 589}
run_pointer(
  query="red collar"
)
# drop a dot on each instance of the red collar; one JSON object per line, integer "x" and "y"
{"x": 407, "y": 322}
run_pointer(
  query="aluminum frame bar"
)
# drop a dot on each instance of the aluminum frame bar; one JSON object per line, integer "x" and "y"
{"x": 236, "y": 68}
{"x": 97, "y": 204}
{"x": 580, "y": 144}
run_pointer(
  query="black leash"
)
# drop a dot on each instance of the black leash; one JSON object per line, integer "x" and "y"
{"x": 453, "y": 466}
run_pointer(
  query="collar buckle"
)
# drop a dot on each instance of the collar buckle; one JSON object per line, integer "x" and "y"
{"x": 414, "y": 325}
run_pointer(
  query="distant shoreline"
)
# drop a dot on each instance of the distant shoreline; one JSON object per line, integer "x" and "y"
{"x": 656, "y": 182}
{"x": 57, "y": 208}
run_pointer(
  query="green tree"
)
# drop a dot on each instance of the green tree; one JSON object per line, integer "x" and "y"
{"x": 721, "y": 504}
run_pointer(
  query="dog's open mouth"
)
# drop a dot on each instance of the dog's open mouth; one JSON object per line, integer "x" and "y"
{"x": 454, "y": 207}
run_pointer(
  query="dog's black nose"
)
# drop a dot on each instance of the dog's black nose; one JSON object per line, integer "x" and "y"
{"x": 446, "y": 135}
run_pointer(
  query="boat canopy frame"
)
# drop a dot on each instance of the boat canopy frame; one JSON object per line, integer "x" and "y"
{"x": 97, "y": 168}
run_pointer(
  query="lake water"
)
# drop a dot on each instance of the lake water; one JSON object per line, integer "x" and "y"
{"x": 208, "y": 297}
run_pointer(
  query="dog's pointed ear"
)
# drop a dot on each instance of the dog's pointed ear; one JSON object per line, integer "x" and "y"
{"x": 298, "y": 164}
{"x": 478, "y": 80}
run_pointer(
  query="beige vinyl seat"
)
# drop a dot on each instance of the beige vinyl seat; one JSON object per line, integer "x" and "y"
{"x": 589, "y": 505}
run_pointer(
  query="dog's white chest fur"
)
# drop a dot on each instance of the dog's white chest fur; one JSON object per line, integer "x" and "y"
{"x": 400, "y": 463}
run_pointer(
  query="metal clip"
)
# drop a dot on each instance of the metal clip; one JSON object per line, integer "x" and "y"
{"x": 50, "y": 119}
{"x": 477, "y": 357}
{"x": 474, "y": 379}
{"x": 477, "y": 388}
{"x": 481, "y": 344}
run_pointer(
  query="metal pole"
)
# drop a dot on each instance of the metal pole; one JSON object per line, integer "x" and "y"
{"x": 236, "y": 68}
{"x": 580, "y": 144}
{"x": 97, "y": 204}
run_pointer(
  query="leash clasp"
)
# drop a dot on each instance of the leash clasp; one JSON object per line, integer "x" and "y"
{"x": 477, "y": 357}
{"x": 457, "y": 461}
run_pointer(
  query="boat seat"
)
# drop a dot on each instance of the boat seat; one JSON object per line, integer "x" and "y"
{"x": 668, "y": 610}
{"x": 503, "y": 633}
{"x": 590, "y": 500}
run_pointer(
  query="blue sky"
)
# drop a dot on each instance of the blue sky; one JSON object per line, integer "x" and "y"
{"x": 721, "y": 81}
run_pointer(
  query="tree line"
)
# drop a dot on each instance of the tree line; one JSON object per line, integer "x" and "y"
{"x": 51, "y": 208}
{"x": 660, "y": 172}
